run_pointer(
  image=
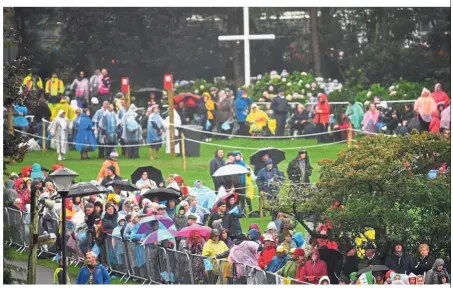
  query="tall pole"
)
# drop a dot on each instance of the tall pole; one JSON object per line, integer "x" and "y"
{"x": 33, "y": 239}
{"x": 63, "y": 234}
{"x": 183, "y": 151}
{"x": 171, "y": 116}
{"x": 246, "y": 47}
{"x": 44, "y": 138}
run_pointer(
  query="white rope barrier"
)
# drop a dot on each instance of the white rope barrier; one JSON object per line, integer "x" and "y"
{"x": 97, "y": 145}
{"x": 255, "y": 137}
{"x": 255, "y": 148}
{"x": 370, "y": 133}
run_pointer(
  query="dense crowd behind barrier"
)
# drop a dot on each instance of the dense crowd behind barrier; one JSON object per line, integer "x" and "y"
{"x": 150, "y": 263}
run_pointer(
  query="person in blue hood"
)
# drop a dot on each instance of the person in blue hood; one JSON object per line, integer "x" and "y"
{"x": 278, "y": 261}
{"x": 269, "y": 180}
{"x": 242, "y": 186}
{"x": 19, "y": 120}
{"x": 36, "y": 172}
{"x": 85, "y": 139}
{"x": 241, "y": 105}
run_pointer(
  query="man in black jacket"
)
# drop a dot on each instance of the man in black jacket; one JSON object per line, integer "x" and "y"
{"x": 90, "y": 219}
{"x": 371, "y": 257}
{"x": 399, "y": 261}
{"x": 221, "y": 214}
{"x": 280, "y": 107}
{"x": 215, "y": 164}
{"x": 424, "y": 262}
{"x": 111, "y": 172}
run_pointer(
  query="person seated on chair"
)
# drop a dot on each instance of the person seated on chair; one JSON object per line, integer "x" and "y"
{"x": 299, "y": 120}
{"x": 257, "y": 120}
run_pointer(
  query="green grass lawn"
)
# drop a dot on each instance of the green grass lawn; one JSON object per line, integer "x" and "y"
{"x": 197, "y": 168}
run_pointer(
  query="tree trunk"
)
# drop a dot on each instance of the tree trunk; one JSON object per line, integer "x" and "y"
{"x": 33, "y": 256}
{"x": 384, "y": 24}
{"x": 20, "y": 24}
{"x": 315, "y": 40}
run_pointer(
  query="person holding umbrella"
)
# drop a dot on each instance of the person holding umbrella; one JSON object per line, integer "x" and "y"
{"x": 299, "y": 169}
{"x": 144, "y": 183}
{"x": 110, "y": 176}
{"x": 215, "y": 164}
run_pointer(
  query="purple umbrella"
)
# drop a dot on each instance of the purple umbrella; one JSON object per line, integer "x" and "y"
{"x": 158, "y": 236}
{"x": 165, "y": 223}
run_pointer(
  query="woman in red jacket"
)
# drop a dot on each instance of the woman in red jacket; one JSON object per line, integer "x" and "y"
{"x": 440, "y": 96}
{"x": 314, "y": 269}
{"x": 322, "y": 117}
{"x": 268, "y": 252}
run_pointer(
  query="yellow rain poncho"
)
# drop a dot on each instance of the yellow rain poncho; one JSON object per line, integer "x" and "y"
{"x": 258, "y": 120}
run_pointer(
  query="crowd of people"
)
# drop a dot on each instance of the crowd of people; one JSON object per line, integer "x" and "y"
{"x": 279, "y": 249}
{"x": 94, "y": 118}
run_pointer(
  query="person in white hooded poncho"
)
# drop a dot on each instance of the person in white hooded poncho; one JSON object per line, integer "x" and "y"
{"x": 59, "y": 132}
{"x": 132, "y": 131}
{"x": 177, "y": 122}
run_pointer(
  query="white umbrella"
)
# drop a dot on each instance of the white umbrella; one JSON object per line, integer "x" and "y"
{"x": 231, "y": 169}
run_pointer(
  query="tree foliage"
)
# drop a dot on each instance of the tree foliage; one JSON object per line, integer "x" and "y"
{"x": 383, "y": 184}
{"x": 149, "y": 42}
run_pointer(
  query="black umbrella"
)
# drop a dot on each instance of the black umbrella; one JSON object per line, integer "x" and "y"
{"x": 86, "y": 188}
{"x": 145, "y": 93}
{"x": 123, "y": 184}
{"x": 275, "y": 154}
{"x": 153, "y": 174}
{"x": 333, "y": 258}
{"x": 373, "y": 268}
{"x": 164, "y": 194}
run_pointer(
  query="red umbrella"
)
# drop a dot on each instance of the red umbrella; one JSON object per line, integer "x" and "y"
{"x": 186, "y": 231}
{"x": 188, "y": 97}
{"x": 224, "y": 199}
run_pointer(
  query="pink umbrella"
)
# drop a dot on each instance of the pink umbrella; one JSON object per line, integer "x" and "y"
{"x": 186, "y": 231}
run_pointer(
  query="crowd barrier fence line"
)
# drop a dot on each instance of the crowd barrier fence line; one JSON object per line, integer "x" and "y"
{"x": 156, "y": 265}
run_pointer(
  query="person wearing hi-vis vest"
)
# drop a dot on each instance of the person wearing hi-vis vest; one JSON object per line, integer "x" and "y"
{"x": 32, "y": 82}
{"x": 54, "y": 90}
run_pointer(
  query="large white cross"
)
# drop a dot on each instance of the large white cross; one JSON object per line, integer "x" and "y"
{"x": 246, "y": 38}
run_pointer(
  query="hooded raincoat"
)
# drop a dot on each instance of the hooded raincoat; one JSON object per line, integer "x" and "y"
{"x": 355, "y": 114}
{"x": 59, "y": 131}
{"x": 85, "y": 137}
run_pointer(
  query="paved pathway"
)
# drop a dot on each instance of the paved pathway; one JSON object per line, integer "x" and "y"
{"x": 44, "y": 275}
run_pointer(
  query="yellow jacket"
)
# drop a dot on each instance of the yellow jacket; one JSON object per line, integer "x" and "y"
{"x": 70, "y": 113}
{"x": 209, "y": 105}
{"x": 28, "y": 81}
{"x": 211, "y": 248}
{"x": 259, "y": 119}
{"x": 54, "y": 87}
{"x": 250, "y": 190}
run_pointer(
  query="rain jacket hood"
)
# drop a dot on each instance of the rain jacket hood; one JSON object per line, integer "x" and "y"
{"x": 324, "y": 278}
{"x": 36, "y": 172}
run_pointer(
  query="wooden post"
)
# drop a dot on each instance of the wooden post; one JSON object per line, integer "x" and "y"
{"x": 261, "y": 202}
{"x": 171, "y": 122}
{"x": 349, "y": 135}
{"x": 44, "y": 138}
{"x": 127, "y": 97}
{"x": 183, "y": 151}
{"x": 10, "y": 120}
{"x": 33, "y": 239}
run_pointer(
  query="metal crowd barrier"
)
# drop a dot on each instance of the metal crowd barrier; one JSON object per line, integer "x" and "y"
{"x": 17, "y": 235}
{"x": 153, "y": 264}
{"x": 181, "y": 267}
